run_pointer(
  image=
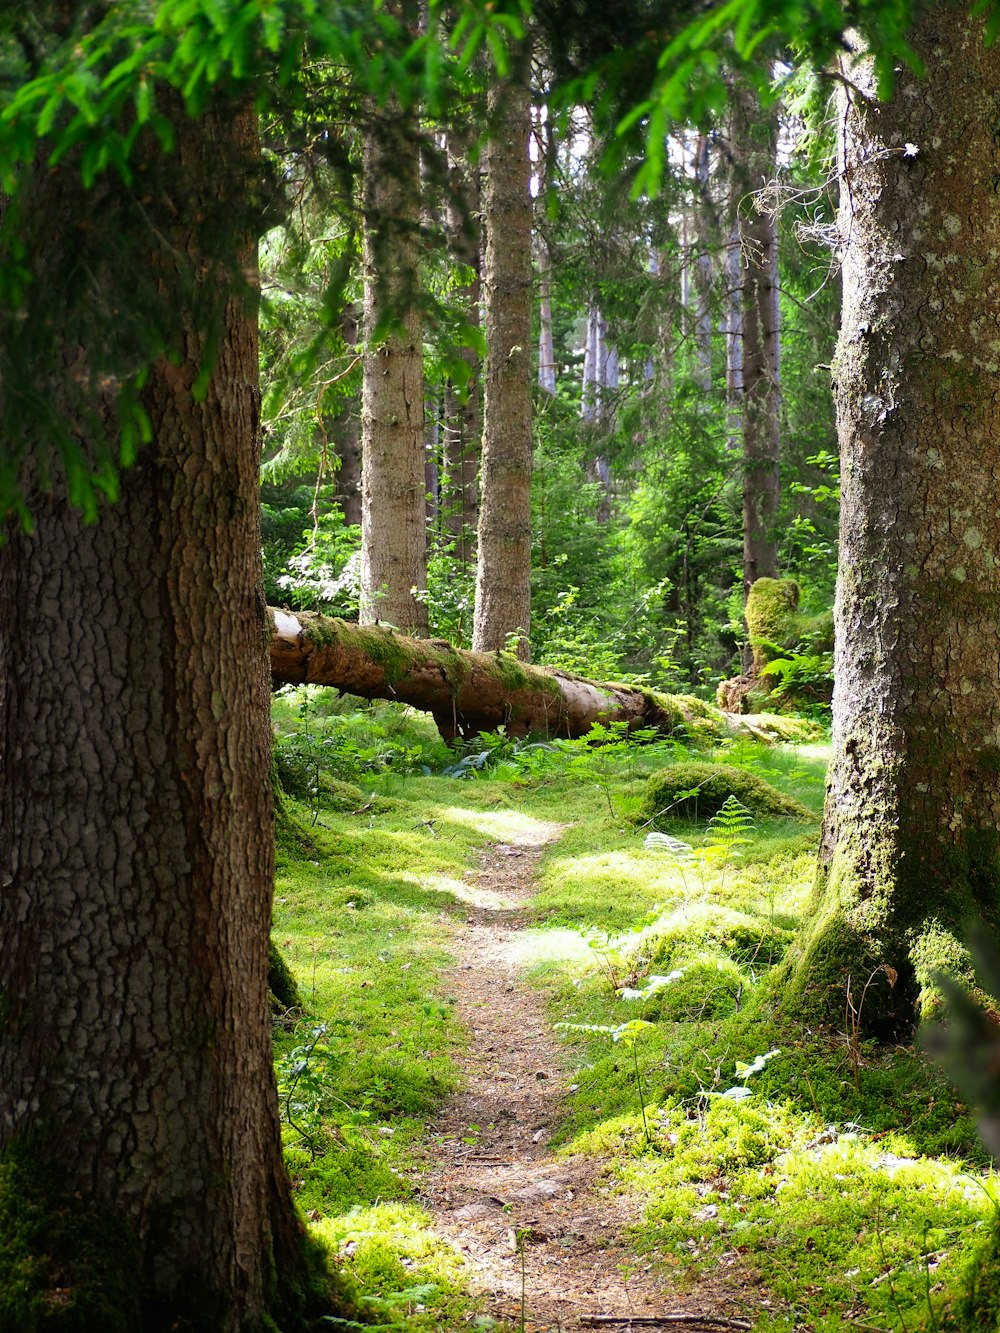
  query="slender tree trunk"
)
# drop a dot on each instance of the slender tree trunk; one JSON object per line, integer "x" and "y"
{"x": 346, "y": 435}
{"x": 754, "y": 137}
{"x": 462, "y": 432}
{"x": 503, "y": 582}
{"x": 698, "y": 224}
{"x": 734, "y": 329}
{"x": 546, "y": 347}
{"x": 136, "y": 841}
{"x": 911, "y": 845}
{"x": 393, "y": 507}
{"x": 547, "y": 151}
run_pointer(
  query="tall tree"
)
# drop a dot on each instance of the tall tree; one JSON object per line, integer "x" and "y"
{"x": 911, "y": 845}
{"x": 393, "y": 481}
{"x": 462, "y": 425}
{"x": 753, "y": 372}
{"x": 136, "y": 846}
{"x": 503, "y": 579}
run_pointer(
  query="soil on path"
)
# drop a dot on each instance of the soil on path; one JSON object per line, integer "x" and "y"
{"x": 493, "y": 1186}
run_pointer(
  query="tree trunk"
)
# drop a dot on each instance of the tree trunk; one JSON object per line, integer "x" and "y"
{"x": 346, "y": 432}
{"x": 136, "y": 841}
{"x": 470, "y": 692}
{"x": 503, "y": 581}
{"x": 753, "y": 146}
{"x": 461, "y": 439}
{"x": 393, "y": 505}
{"x": 911, "y": 847}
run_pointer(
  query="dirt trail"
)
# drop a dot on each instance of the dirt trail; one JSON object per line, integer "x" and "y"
{"x": 487, "y": 1186}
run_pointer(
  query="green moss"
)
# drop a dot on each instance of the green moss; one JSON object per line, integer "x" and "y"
{"x": 688, "y": 930}
{"x": 667, "y": 799}
{"x": 280, "y": 982}
{"x": 64, "y": 1265}
{"x": 770, "y": 613}
{"x": 782, "y": 727}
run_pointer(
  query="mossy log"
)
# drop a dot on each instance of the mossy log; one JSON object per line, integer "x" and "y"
{"x": 468, "y": 692}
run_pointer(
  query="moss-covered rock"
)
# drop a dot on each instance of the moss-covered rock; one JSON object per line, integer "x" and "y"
{"x": 675, "y": 938}
{"x": 707, "y": 985}
{"x": 696, "y": 790}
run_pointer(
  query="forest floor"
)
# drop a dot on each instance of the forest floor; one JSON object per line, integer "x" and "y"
{"x": 540, "y": 1073}
{"x": 541, "y": 1233}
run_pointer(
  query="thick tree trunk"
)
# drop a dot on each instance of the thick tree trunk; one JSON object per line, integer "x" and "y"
{"x": 503, "y": 582}
{"x": 393, "y": 504}
{"x": 911, "y": 846}
{"x": 753, "y": 144}
{"x": 136, "y": 845}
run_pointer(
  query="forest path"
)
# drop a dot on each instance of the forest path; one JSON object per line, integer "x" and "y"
{"x": 492, "y": 1183}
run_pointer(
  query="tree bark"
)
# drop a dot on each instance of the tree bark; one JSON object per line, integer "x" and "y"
{"x": 503, "y": 581}
{"x": 346, "y": 431}
{"x": 911, "y": 846}
{"x": 136, "y": 841}
{"x": 470, "y": 692}
{"x": 753, "y": 148}
{"x": 462, "y": 434}
{"x": 393, "y": 504}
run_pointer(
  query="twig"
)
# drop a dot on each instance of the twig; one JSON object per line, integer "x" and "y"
{"x": 706, "y": 1320}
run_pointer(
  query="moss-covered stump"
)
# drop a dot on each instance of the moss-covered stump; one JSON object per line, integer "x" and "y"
{"x": 696, "y": 791}
{"x": 790, "y": 652}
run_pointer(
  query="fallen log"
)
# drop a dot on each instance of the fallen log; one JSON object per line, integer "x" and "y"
{"x": 468, "y": 693}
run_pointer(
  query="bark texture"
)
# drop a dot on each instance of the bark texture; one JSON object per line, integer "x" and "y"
{"x": 393, "y": 504}
{"x": 136, "y": 846}
{"x": 468, "y": 692}
{"x": 503, "y": 579}
{"x": 911, "y": 846}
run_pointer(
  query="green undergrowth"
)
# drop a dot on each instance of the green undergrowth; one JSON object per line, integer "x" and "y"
{"x": 842, "y": 1179}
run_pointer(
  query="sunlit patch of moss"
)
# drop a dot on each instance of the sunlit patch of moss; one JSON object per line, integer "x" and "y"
{"x": 410, "y": 1276}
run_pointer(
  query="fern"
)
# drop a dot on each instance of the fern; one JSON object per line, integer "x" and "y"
{"x": 728, "y": 830}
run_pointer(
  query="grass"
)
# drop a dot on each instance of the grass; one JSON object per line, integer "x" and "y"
{"x": 847, "y": 1184}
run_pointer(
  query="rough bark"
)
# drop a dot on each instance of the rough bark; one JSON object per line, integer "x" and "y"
{"x": 911, "y": 846}
{"x": 136, "y": 843}
{"x": 393, "y": 506}
{"x": 470, "y": 692}
{"x": 503, "y": 580}
{"x": 753, "y": 149}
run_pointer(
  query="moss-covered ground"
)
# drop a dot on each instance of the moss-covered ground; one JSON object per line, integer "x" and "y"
{"x": 842, "y": 1181}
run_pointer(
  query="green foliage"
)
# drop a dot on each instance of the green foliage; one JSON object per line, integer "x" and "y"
{"x": 328, "y": 748}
